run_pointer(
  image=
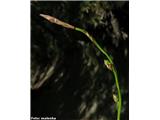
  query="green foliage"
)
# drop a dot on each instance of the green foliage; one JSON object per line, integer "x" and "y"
{"x": 94, "y": 13}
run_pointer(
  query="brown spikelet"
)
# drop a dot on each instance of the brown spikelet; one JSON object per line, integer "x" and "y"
{"x": 57, "y": 21}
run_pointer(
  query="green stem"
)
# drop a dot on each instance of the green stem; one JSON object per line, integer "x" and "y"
{"x": 119, "y": 103}
{"x": 95, "y": 42}
{"x": 119, "y": 93}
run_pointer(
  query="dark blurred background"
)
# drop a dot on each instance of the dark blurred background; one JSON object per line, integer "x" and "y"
{"x": 68, "y": 78}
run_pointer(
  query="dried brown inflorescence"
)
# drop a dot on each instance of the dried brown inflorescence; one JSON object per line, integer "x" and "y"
{"x": 57, "y": 21}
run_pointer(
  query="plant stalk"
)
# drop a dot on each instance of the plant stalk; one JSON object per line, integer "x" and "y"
{"x": 109, "y": 59}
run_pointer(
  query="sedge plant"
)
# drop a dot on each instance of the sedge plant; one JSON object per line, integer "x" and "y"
{"x": 107, "y": 61}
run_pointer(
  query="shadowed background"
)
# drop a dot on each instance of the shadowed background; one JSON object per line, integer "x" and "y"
{"x": 68, "y": 78}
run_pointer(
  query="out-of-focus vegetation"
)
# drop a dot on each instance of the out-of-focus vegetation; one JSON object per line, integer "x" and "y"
{"x": 68, "y": 77}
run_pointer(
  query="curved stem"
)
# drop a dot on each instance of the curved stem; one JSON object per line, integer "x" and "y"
{"x": 119, "y": 103}
{"x": 95, "y": 42}
{"x": 109, "y": 63}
